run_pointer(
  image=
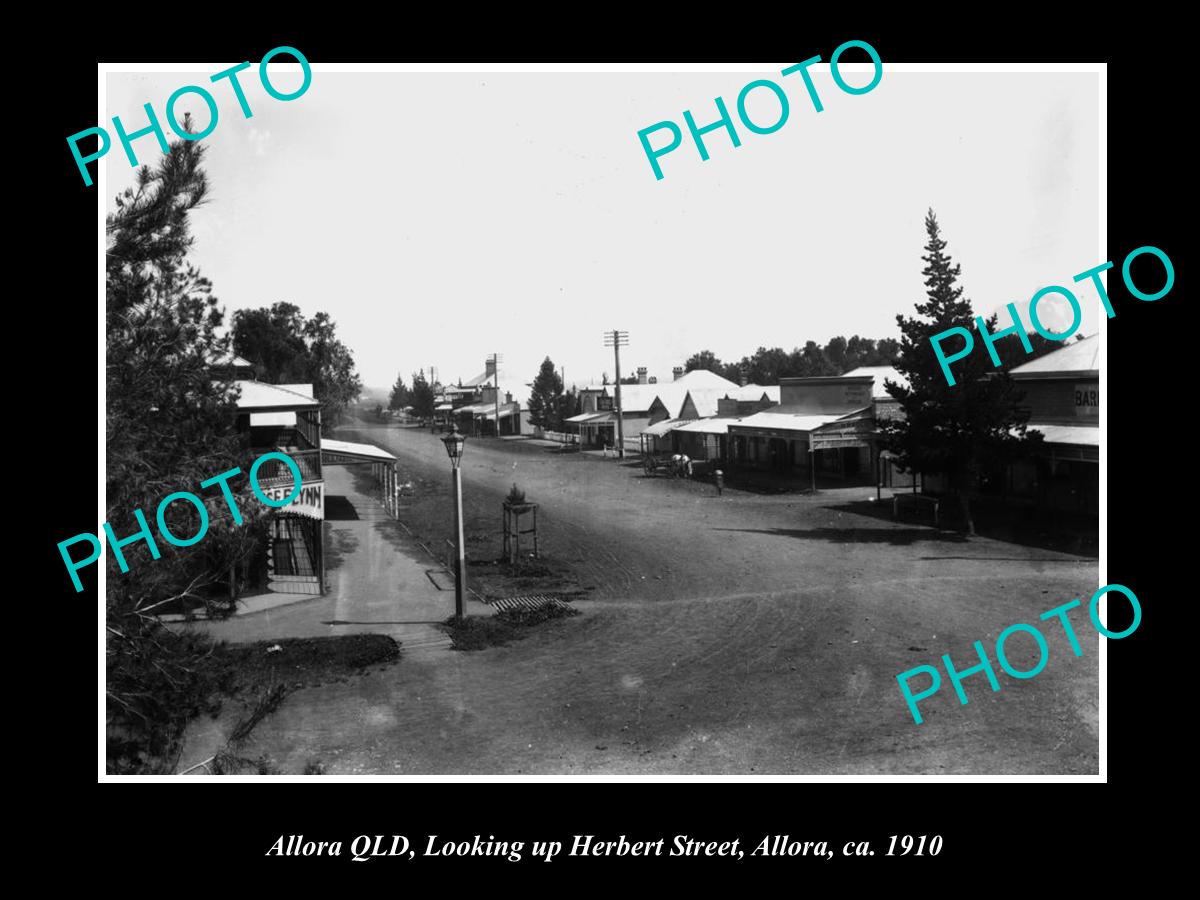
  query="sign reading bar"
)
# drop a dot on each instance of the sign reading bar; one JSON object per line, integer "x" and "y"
{"x": 1087, "y": 399}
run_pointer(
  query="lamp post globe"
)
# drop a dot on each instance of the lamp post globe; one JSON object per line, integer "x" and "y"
{"x": 454, "y": 442}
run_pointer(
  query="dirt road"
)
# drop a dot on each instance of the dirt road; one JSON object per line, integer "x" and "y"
{"x": 734, "y": 634}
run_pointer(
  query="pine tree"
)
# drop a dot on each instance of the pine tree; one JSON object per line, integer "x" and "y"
{"x": 400, "y": 395}
{"x": 545, "y": 398}
{"x": 421, "y": 396}
{"x": 954, "y": 430}
{"x": 169, "y": 425}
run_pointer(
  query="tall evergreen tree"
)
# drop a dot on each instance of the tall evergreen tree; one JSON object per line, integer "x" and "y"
{"x": 421, "y": 396}
{"x": 400, "y": 395}
{"x": 169, "y": 425}
{"x": 545, "y": 398}
{"x": 953, "y": 430}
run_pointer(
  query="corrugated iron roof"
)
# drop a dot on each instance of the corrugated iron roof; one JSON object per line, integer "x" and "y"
{"x": 260, "y": 395}
{"x": 479, "y": 409}
{"x": 658, "y": 429}
{"x": 755, "y": 392}
{"x": 1077, "y": 356}
{"x": 370, "y": 451}
{"x": 1082, "y": 435}
{"x": 781, "y": 419}
{"x": 709, "y": 426}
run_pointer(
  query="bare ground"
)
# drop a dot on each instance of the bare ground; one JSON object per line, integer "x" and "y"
{"x": 736, "y": 634}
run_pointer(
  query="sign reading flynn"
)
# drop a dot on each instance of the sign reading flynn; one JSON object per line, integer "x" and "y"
{"x": 309, "y": 502}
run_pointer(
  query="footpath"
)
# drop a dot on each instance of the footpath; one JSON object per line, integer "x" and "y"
{"x": 379, "y": 582}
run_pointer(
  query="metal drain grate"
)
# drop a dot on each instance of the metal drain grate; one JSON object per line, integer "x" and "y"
{"x": 533, "y": 601}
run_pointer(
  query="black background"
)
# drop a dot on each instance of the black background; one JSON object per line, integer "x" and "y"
{"x": 1006, "y": 829}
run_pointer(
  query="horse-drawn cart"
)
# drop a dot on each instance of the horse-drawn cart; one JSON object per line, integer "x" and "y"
{"x": 677, "y": 465}
{"x": 662, "y": 464}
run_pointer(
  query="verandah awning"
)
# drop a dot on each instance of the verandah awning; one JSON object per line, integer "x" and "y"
{"x": 658, "y": 429}
{"x": 852, "y": 431}
{"x": 706, "y": 426}
{"x": 591, "y": 418}
{"x": 333, "y": 452}
{"x": 791, "y": 426}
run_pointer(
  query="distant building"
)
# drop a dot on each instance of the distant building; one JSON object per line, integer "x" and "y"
{"x": 826, "y": 421}
{"x": 479, "y": 416}
{"x": 689, "y": 396}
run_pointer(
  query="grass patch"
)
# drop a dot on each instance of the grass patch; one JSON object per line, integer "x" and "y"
{"x": 305, "y": 662}
{"x": 479, "y": 633}
{"x": 176, "y": 677}
{"x": 284, "y": 666}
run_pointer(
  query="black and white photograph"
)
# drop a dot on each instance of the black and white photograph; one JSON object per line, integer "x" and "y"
{"x": 604, "y": 422}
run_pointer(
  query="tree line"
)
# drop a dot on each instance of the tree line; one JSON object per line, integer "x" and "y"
{"x": 768, "y": 364}
{"x": 419, "y": 399}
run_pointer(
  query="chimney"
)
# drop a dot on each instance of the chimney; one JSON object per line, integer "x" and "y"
{"x": 653, "y": 379}
{"x": 642, "y": 375}
{"x": 508, "y": 396}
{"x": 742, "y": 379}
{"x": 677, "y": 372}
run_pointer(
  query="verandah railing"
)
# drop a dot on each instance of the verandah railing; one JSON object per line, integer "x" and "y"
{"x": 277, "y": 471}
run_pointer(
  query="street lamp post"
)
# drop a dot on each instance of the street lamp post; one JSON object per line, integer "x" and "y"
{"x": 454, "y": 449}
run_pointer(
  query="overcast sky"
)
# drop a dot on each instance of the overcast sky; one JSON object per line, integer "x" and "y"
{"x": 441, "y": 217}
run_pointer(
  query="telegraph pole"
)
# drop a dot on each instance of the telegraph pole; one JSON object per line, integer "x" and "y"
{"x": 494, "y": 361}
{"x": 617, "y": 340}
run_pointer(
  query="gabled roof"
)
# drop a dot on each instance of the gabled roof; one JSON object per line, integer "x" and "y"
{"x": 640, "y": 397}
{"x": 232, "y": 359}
{"x": 754, "y": 392}
{"x": 705, "y": 387}
{"x": 637, "y": 398}
{"x": 702, "y": 378}
{"x": 1075, "y": 358}
{"x": 477, "y": 380}
{"x": 705, "y": 399}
